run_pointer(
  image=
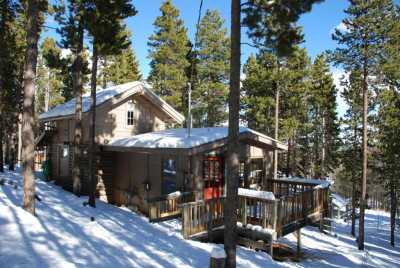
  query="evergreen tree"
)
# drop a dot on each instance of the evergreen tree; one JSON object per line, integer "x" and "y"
{"x": 119, "y": 69}
{"x": 212, "y": 70}
{"x": 389, "y": 148}
{"x": 49, "y": 77}
{"x": 9, "y": 73}
{"x": 294, "y": 105}
{"x": 361, "y": 46}
{"x": 35, "y": 16}
{"x": 351, "y": 156}
{"x": 104, "y": 19}
{"x": 72, "y": 25}
{"x": 169, "y": 48}
{"x": 324, "y": 135}
{"x": 258, "y": 91}
{"x": 232, "y": 161}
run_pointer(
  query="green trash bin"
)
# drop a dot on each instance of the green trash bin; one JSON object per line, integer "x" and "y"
{"x": 46, "y": 169}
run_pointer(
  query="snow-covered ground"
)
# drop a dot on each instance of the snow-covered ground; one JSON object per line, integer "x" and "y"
{"x": 62, "y": 235}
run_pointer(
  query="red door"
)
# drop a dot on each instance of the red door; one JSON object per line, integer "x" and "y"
{"x": 213, "y": 177}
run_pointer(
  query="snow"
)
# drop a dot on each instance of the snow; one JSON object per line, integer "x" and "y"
{"x": 339, "y": 201}
{"x": 174, "y": 194}
{"x": 319, "y": 183}
{"x": 256, "y": 194}
{"x": 62, "y": 235}
{"x": 218, "y": 253}
{"x": 178, "y": 138}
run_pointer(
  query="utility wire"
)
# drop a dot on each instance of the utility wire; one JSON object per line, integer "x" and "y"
{"x": 196, "y": 40}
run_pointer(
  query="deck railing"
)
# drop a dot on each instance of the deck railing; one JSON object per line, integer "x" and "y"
{"x": 201, "y": 216}
{"x": 258, "y": 211}
{"x": 167, "y": 206}
{"x": 278, "y": 215}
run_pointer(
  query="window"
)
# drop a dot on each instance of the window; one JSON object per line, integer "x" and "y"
{"x": 130, "y": 114}
{"x": 169, "y": 176}
{"x": 130, "y": 118}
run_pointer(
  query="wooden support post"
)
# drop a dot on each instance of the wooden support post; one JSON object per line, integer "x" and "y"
{"x": 217, "y": 258}
{"x": 244, "y": 216}
{"x": 271, "y": 248}
{"x": 298, "y": 250}
{"x": 321, "y": 222}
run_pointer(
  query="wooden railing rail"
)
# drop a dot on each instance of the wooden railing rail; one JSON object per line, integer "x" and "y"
{"x": 297, "y": 207}
{"x": 258, "y": 211}
{"x": 202, "y": 216}
{"x": 167, "y": 207}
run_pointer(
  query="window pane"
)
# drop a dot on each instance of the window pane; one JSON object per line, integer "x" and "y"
{"x": 130, "y": 118}
{"x": 169, "y": 176}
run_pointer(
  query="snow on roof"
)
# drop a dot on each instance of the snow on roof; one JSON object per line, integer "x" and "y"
{"x": 103, "y": 95}
{"x": 178, "y": 138}
{"x": 319, "y": 183}
{"x": 339, "y": 200}
{"x": 256, "y": 194}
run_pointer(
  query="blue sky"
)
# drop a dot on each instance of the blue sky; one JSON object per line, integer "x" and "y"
{"x": 317, "y": 24}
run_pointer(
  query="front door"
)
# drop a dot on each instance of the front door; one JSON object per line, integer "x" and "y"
{"x": 213, "y": 177}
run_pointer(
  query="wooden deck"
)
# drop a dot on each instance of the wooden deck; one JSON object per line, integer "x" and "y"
{"x": 296, "y": 205}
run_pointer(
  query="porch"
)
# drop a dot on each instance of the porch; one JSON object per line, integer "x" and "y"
{"x": 261, "y": 217}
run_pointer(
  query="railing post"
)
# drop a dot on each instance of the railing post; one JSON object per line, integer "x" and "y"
{"x": 244, "y": 215}
{"x": 275, "y": 214}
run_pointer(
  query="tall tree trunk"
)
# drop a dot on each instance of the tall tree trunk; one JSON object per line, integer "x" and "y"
{"x": 1, "y": 146}
{"x": 11, "y": 165}
{"x": 6, "y": 141}
{"x": 92, "y": 129}
{"x": 364, "y": 159}
{"x": 77, "y": 84}
{"x": 288, "y": 158}
{"x": 19, "y": 156}
{"x": 32, "y": 37}
{"x": 353, "y": 182}
{"x": 393, "y": 207}
{"x": 323, "y": 151}
{"x": 230, "y": 214}
{"x": 276, "y": 136}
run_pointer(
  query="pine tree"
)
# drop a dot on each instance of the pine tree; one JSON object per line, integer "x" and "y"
{"x": 49, "y": 77}
{"x": 258, "y": 91}
{"x": 169, "y": 48}
{"x": 212, "y": 70}
{"x": 232, "y": 161}
{"x": 34, "y": 12}
{"x": 361, "y": 45}
{"x": 389, "y": 115}
{"x": 104, "y": 19}
{"x": 72, "y": 32}
{"x": 389, "y": 147}
{"x": 293, "y": 76}
{"x": 324, "y": 136}
{"x": 351, "y": 156}
{"x": 258, "y": 15}
{"x": 119, "y": 69}
{"x": 9, "y": 74}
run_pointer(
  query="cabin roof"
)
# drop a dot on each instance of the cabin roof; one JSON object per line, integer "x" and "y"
{"x": 178, "y": 139}
{"x": 67, "y": 109}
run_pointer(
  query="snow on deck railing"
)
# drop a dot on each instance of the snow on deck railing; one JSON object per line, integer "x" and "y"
{"x": 318, "y": 183}
{"x": 256, "y": 194}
